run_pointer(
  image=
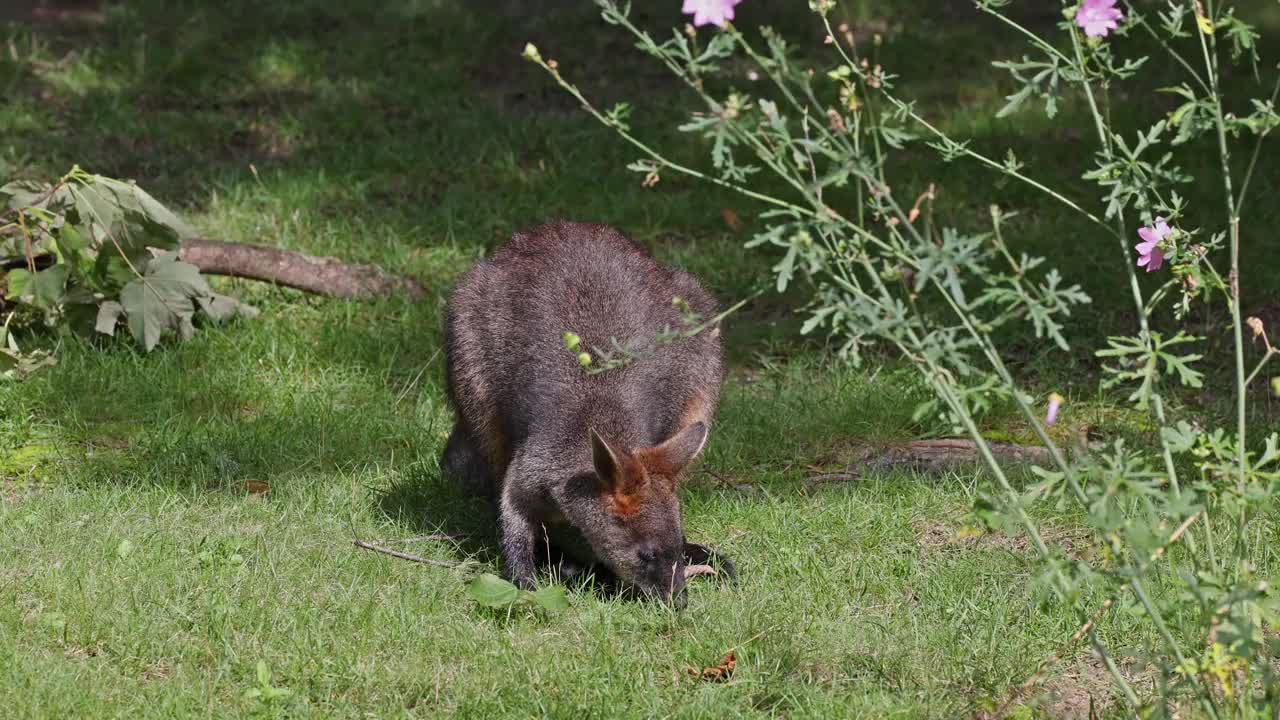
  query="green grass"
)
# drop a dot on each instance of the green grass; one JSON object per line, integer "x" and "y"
{"x": 410, "y": 134}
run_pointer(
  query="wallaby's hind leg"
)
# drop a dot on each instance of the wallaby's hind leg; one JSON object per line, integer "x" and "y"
{"x": 463, "y": 464}
{"x": 695, "y": 554}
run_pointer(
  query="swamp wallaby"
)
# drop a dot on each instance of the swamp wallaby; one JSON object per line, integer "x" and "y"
{"x": 566, "y": 455}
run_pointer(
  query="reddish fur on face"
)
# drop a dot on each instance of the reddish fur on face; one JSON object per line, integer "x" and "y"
{"x": 657, "y": 465}
{"x": 628, "y": 491}
{"x": 647, "y": 471}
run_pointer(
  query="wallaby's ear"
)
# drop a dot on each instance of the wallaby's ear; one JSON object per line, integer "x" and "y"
{"x": 680, "y": 449}
{"x": 608, "y": 469}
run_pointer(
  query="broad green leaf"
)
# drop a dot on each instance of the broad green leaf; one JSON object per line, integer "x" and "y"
{"x": 153, "y": 305}
{"x": 21, "y": 194}
{"x": 1180, "y": 438}
{"x": 221, "y": 307}
{"x": 109, "y": 314}
{"x": 492, "y": 591}
{"x": 49, "y": 286}
{"x": 133, "y": 198}
{"x": 550, "y": 598}
{"x": 8, "y": 361}
{"x": 18, "y": 280}
{"x": 45, "y": 289}
{"x": 163, "y": 299}
{"x": 264, "y": 674}
{"x": 70, "y": 240}
{"x": 124, "y": 549}
{"x": 786, "y": 267}
{"x": 97, "y": 210}
{"x": 185, "y": 276}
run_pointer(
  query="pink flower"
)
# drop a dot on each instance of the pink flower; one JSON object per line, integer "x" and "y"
{"x": 1149, "y": 252}
{"x": 1055, "y": 401}
{"x": 710, "y": 12}
{"x": 1098, "y": 17}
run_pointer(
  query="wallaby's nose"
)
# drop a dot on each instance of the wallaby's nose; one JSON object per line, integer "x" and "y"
{"x": 647, "y": 554}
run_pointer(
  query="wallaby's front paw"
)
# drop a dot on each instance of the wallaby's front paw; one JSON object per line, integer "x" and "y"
{"x": 695, "y": 554}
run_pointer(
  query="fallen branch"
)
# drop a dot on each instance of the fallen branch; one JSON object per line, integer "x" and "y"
{"x": 419, "y": 538}
{"x": 321, "y": 275}
{"x": 931, "y": 456}
{"x": 403, "y": 556}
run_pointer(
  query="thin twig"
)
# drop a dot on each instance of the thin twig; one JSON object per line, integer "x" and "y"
{"x": 422, "y": 538}
{"x": 403, "y": 556}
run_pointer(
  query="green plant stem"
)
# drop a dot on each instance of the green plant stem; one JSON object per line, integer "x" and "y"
{"x": 1116, "y": 677}
{"x": 1135, "y": 289}
{"x": 1261, "y": 364}
{"x": 1237, "y": 326}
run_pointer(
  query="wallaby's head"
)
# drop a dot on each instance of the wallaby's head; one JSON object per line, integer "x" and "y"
{"x": 634, "y": 524}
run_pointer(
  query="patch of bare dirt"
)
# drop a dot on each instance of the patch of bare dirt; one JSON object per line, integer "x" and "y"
{"x": 939, "y": 536}
{"x": 75, "y": 651}
{"x": 12, "y": 492}
{"x": 1083, "y": 690}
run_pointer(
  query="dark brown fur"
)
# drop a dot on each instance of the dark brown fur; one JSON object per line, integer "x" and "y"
{"x": 559, "y": 449}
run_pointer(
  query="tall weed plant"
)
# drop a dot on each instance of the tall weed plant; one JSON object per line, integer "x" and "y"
{"x": 882, "y": 272}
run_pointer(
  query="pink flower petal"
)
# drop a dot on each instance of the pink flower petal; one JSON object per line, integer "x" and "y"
{"x": 1055, "y": 401}
{"x": 1098, "y": 17}
{"x": 709, "y": 12}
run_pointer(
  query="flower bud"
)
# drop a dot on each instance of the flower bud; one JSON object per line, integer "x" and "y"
{"x": 1055, "y": 401}
{"x": 1255, "y": 325}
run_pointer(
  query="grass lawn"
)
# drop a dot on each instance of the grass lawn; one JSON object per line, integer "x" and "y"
{"x": 140, "y": 578}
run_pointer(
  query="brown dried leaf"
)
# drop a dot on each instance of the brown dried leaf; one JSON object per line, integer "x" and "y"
{"x": 256, "y": 487}
{"x": 731, "y": 219}
{"x": 718, "y": 673}
{"x": 695, "y": 570}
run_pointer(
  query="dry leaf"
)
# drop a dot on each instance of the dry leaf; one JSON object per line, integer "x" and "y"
{"x": 720, "y": 672}
{"x": 731, "y": 219}
{"x": 694, "y": 570}
{"x": 256, "y": 487}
